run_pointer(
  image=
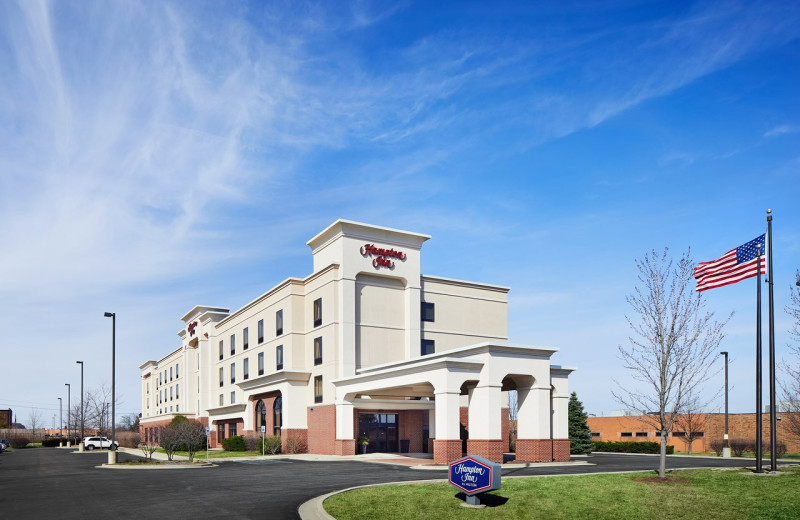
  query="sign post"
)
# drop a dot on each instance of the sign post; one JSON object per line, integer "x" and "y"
{"x": 263, "y": 433}
{"x": 208, "y": 431}
{"x": 474, "y": 475}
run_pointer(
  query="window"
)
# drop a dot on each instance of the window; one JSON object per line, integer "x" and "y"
{"x": 176, "y": 371}
{"x": 318, "y": 351}
{"x": 220, "y": 400}
{"x": 246, "y": 368}
{"x": 233, "y": 373}
{"x": 261, "y": 331}
{"x": 641, "y": 434}
{"x": 233, "y": 397}
{"x": 232, "y": 429}
{"x": 626, "y": 434}
{"x": 176, "y": 392}
{"x": 148, "y": 387}
{"x": 176, "y": 408}
{"x": 317, "y": 389}
{"x": 318, "y": 312}
{"x": 261, "y": 415}
{"x": 170, "y": 373}
{"x": 277, "y": 416}
{"x": 279, "y": 322}
{"x": 428, "y": 347}
{"x": 595, "y": 434}
{"x": 220, "y": 427}
{"x": 261, "y": 363}
{"x": 170, "y": 393}
{"x": 170, "y": 408}
{"x": 233, "y": 344}
{"x": 220, "y": 349}
{"x": 245, "y": 338}
{"x": 221, "y": 376}
{"x": 159, "y": 378}
{"x": 279, "y": 357}
{"x": 427, "y": 311}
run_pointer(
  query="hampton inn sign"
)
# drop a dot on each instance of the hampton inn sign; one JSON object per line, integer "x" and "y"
{"x": 364, "y": 347}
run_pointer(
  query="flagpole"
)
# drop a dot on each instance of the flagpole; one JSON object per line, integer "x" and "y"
{"x": 773, "y": 413}
{"x": 759, "y": 468}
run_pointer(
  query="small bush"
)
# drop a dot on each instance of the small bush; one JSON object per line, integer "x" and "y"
{"x": 252, "y": 442}
{"x": 235, "y": 443}
{"x": 128, "y": 439}
{"x": 52, "y": 442}
{"x": 272, "y": 445}
{"x": 779, "y": 452}
{"x": 630, "y": 447}
{"x": 717, "y": 446}
{"x": 739, "y": 446}
{"x": 296, "y": 444}
{"x": 19, "y": 442}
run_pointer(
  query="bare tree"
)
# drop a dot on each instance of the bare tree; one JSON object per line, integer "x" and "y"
{"x": 673, "y": 344}
{"x": 35, "y": 420}
{"x": 192, "y": 434}
{"x": 692, "y": 420}
{"x": 790, "y": 385}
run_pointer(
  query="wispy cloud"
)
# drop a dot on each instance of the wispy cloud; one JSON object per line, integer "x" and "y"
{"x": 782, "y": 130}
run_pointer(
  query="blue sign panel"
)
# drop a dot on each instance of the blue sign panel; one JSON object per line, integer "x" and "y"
{"x": 473, "y": 474}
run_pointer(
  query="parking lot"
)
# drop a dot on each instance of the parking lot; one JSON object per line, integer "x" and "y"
{"x": 53, "y": 482}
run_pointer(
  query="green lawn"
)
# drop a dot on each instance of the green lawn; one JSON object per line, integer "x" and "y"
{"x": 694, "y": 494}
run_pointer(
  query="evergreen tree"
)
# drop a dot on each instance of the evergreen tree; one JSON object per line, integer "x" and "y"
{"x": 580, "y": 437}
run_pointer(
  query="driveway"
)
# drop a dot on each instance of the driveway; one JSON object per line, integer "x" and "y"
{"x": 53, "y": 482}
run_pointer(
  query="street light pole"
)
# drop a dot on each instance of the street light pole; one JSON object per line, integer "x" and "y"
{"x": 726, "y": 450}
{"x": 113, "y": 317}
{"x": 60, "y": 419}
{"x": 69, "y": 394}
{"x": 81, "y": 364}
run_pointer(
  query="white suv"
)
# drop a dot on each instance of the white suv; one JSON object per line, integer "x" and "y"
{"x": 99, "y": 442}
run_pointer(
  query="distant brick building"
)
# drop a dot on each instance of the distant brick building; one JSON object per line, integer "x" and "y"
{"x": 5, "y": 418}
{"x": 740, "y": 426}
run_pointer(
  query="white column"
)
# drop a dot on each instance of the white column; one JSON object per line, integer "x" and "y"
{"x": 560, "y": 417}
{"x": 484, "y": 413}
{"x": 447, "y": 418}
{"x": 294, "y": 413}
{"x": 344, "y": 420}
{"x": 533, "y": 416}
{"x": 347, "y": 328}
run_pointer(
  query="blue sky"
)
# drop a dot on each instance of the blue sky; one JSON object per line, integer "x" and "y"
{"x": 158, "y": 155}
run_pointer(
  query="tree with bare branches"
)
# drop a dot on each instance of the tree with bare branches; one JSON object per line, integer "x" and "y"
{"x": 672, "y": 346}
{"x": 691, "y": 420}
{"x": 35, "y": 421}
{"x": 790, "y": 384}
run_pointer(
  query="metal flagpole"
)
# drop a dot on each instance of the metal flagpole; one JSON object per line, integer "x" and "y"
{"x": 773, "y": 424}
{"x": 759, "y": 468}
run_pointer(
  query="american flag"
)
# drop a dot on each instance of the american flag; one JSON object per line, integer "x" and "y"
{"x": 735, "y": 265}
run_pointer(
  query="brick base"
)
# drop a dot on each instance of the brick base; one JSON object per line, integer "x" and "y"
{"x": 488, "y": 449}
{"x": 542, "y": 450}
{"x": 299, "y": 437}
{"x": 345, "y": 447}
{"x": 446, "y": 451}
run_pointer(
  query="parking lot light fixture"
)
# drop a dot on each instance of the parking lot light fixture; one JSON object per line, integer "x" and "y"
{"x": 113, "y": 317}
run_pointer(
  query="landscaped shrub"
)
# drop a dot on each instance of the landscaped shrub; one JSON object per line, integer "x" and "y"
{"x": 235, "y": 443}
{"x": 19, "y": 442}
{"x": 252, "y": 442}
{"x": 272, "y": 445}
{"x": 52, "y": 442}
{"x": 630, "y": 447}
{"x": 296, "y": 444}
{"x": 780, "y": 452}
{"x": 717, "y": 446}
{"x": 739, "y": 446}
{"x": 128, "y": 439}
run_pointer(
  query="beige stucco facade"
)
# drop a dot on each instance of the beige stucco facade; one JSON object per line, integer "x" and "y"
{"x": 364, "y": 337}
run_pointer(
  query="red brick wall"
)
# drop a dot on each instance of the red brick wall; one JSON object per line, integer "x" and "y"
{"x": 322, "y": 429}
{"x": 505, "y": 426}
{"x": 542, "y": 450}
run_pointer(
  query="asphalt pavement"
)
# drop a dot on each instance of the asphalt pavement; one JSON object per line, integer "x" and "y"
{"x": 52, "y": 482}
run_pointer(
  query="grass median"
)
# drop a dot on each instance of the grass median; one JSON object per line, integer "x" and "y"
{"x": 690, "y": 494}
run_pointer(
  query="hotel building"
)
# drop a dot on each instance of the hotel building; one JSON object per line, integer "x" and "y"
{"x": 365, "y": 345}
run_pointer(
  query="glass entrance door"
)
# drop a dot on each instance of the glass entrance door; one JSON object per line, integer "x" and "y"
{"x": 380, "y": 429}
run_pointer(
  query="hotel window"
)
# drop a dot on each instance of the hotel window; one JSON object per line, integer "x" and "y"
{"x": 245, "y": 338}
{"x": 170, "y": 409}
{"x": 277, "y": 416}
{"x": 246, "y": 368}
{"x": 641, "y": 434}
{"x": 159, "y": 378}
{"x": 428, "y": 347}
{"x": 261, "y": 363}
{"x": 279, "y": 322}
{"x": 220, "y": 349}
{"x": 148, "y": 387}
{"x": 427, "y": 311}
{"x": 595, "y": 434}
{"x": 221, "y": 376}
{"x": 317, "y": 389}
{"x": 177, "y": 409}
{"x": 233, "y": 373}
{"x": 232, "y": 426}
{"x": 220, "y": 427}
{"x": 176, "y": 392}
{"x": 261, "y": 331}
{"x": 626, "y": 434}
{"x": 318, "y": 351}
{"x": 233, "y": 397}
{"x": 170, "y": 373}
{"x": 176, "y": 371}
{"x": 279, "y": 357}
{"x": 220, "y": 400}
{"x": 170, "y": 393}
{"x": 318, "y": 312}
{"x": 233, "y": 344}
